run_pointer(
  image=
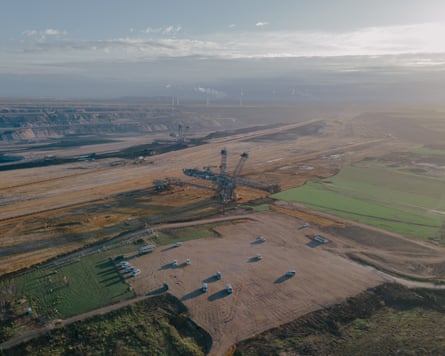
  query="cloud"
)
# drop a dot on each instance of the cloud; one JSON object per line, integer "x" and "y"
{"x": 232, "y": 25}
{"x": 210, "y": 91}
{"x": 46, "y": 32}
{"x": 166, "y": 30}
{"x": 421, "y": 40}
{"x": 30, "y": 33}
{"x": 261, "y": 24}
{"x": 371, "y": 41}
{"x": 106, "y": 45}
{"x": 171, "y": 29}
{"x": 53, "y": 32}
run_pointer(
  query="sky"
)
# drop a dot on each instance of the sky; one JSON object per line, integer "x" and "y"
{"x": 212, "y": 48}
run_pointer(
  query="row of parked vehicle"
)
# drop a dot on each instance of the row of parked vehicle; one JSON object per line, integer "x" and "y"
{"x": 175, "y": 262}
{"x": 128, "y": 268}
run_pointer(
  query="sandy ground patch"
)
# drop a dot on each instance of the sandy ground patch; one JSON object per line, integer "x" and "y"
{"x": 263, "y": 297}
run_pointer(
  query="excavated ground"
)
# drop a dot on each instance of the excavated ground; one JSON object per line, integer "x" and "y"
{"x": 48, "y": 211}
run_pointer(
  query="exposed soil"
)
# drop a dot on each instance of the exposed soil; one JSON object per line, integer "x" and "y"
{"x": 262, "y": 296}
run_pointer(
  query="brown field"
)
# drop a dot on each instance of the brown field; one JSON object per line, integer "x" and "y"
{"x": 263, "y": 297}
{"x": 389, "y": 252}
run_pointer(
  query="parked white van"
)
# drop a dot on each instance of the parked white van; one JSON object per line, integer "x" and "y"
{"x": 229, "y": 288}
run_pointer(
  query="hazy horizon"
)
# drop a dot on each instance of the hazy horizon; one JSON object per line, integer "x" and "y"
{"x": 253, "y": 50}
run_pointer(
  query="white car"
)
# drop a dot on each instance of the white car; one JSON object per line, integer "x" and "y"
{"x": 135, "y": 272}
{"x": 177, "y": 244}
{"x": 290, "y": 273}
{"x": 175, "y": 263}
{"x": 229, "y": 288}
{"x": 204, "y": 287}
{"x": 187, "y": 261}
{"x": 218, "y": 275}
{"x": 129, "y": 269}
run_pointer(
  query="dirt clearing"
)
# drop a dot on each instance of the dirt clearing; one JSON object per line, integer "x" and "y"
{"x": 263, "y": 296}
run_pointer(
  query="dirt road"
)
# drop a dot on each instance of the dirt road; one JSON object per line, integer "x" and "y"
{"x": 59, "y": 323}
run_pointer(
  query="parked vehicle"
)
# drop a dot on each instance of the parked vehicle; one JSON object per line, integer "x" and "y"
{"x": 146, "y": 249}
{"x": 124, "y": 264}
{"x": 229, "y": 288}
{"x": 321, "y": 239}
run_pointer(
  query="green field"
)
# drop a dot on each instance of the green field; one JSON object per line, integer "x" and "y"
{"x": 428, "y": 151}
{"x": 376, "y": 194}
{"x": 170, "y": 236}
{"x": 73, "y": 288}
{"x": 262, "y": 207}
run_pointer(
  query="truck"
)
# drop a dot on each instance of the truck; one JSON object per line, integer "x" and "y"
{"x": 146, "y": 249}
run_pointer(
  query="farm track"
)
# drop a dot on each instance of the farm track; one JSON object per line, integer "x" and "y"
{"x": 51, "y": 180}
{"x": 44, "y": 212}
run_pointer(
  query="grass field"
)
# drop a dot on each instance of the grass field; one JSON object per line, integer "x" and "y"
{"x": 262, "y": 207}
{"x": 379, "y": 195}
{"x": 170, "y": 236}
{"x": 429, "y": 151}
{"x": 73, "y": 288}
